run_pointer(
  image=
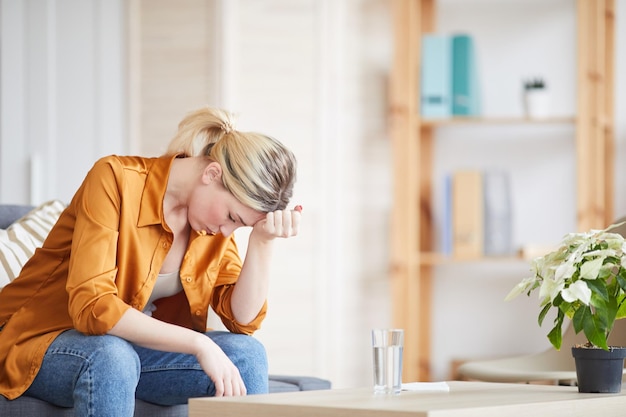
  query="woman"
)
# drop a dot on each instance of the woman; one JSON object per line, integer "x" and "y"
{"x": 115, "y": 304}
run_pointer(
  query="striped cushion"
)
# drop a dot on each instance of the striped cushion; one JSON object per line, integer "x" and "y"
{"x": 19, "y": 241}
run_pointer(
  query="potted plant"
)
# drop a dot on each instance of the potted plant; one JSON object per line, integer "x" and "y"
{"x": 536, "y": 98}
{"x": 585, "y": 281}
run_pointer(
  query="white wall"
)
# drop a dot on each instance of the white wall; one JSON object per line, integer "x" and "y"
{"x": 63, "y": 103}
{"x": 312, "y": 73}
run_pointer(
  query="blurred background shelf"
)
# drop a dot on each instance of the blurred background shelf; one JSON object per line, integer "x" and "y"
{"x": 461, "y": 121}
{"x": 413, "y": 254}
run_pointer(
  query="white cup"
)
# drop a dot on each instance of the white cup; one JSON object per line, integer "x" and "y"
{"x": 387, "y": 345}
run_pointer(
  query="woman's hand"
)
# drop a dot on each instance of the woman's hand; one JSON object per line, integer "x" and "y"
{"x": 279, "y": 223}
{"x": 220, "y": 369}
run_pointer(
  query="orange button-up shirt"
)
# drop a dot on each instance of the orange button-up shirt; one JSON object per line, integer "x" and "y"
{"x": 103, "y": 257}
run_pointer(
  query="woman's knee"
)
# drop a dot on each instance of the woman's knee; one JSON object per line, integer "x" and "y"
{"x": 105, "y": 351}
{"x": 117, "y": 356}
{"x": 248, "y": 355}
{"x": 77, "y": 365}
{"x": 240, "y": 346}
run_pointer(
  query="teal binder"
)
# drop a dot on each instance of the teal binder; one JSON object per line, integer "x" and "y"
{"x": 436, "y": 92}
{"x": 465, "y": 92}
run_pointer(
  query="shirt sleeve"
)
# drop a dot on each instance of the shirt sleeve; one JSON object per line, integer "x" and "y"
{"x": 94, "y": 305}
{"x": 221, "y": 298}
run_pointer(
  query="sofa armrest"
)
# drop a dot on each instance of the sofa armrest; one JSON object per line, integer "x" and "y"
{"x": 9, "y": 213}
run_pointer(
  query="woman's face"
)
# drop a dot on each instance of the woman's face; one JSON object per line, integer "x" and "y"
{"x": 213, "y": 209}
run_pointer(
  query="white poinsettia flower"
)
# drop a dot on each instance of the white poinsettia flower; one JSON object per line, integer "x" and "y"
{"x": 615, "y": 243}
{"x": 549, "y": 290}
{"x": 564, "y": 271}
{"x": 539, "y": 268}
{"x": 579, "y": 290}
{"x": 591, "y": 268}
{"x": 577, "y": 255}
{"x": 602, "y": 253}
{"x": 524, "y": 286}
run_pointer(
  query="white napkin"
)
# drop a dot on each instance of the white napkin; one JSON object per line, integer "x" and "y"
{"x": 426, "y": 386}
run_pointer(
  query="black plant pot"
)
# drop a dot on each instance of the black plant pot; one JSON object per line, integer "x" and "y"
{"x": 599, "y": 370}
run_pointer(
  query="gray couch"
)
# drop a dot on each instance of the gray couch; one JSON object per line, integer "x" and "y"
{"x": 31, "y": 407}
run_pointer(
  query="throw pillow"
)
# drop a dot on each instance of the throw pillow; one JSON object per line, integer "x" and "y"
{"x": 19, "y": 241}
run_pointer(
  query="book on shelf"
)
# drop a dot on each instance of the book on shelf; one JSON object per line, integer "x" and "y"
{"x": 498, "y": 225}
{"x": 449, "y": 78}
{"x": 477, "y": 214}
{"x": 436, "y": 89}
{"x": 467, "y": 214}
{"x": 465, "y": 97}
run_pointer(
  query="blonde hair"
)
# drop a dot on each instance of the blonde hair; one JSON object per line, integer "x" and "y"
{"x": 257, "y": 169}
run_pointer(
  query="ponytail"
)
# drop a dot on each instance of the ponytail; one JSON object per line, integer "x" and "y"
{"x": 257, "y": 169}
{"x": 200, "y": 130}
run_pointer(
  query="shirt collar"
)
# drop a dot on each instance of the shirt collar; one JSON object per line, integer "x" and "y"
{"x": 151, "y": 210}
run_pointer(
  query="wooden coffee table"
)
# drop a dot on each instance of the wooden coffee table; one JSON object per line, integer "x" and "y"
{"x": 465, "y": 399}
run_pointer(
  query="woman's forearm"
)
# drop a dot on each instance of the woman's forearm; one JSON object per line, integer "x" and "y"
{"x": 252, "y": 287}
{"x": 145, "y": 331}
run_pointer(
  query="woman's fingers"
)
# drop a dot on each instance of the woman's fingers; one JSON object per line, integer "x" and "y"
{"x": 280, "y": 223}
{"x": 283, "y": 223}
{"x": 296, "y": 216}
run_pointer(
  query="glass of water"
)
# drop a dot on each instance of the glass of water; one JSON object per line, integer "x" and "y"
{"x": 387, "y": 346}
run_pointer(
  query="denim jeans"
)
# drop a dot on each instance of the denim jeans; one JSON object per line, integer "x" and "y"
{"x": 102, "y": 375}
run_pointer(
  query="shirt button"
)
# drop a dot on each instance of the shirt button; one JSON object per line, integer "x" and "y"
{"x": 198, "y": 312}
{"x": 188, "y": 279}
{"x": 164, "y": 244}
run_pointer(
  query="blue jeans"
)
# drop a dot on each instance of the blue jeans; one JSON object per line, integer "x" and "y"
{"x": 102, "y": 375}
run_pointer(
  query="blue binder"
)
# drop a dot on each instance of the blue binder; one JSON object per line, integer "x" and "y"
{"x": 465, "y": 94}
{"x": 436, "y": 92}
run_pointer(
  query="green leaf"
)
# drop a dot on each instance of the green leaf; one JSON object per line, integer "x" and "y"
{"x": 595, "y": 332}
{"x": 556, "y": 337}
{"x": 598, "y": 289}
{"x": 568, "y": 308}
{"x": 543, "y": 312}
{"x": 621, "y": 278}
{"x": 556, "y": 334}
{"x": 579, "y": 318}
{"x": 611, "y": 312}
{"x": 621, "y": 310}
{"x": 605, "y": 314}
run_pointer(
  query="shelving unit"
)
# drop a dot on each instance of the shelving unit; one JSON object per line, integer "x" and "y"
{"x": 456, "y": 121}
{"x": 412, "y": 255}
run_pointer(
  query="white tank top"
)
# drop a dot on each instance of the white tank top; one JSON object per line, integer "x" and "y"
{"x": 165, "y": 285}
